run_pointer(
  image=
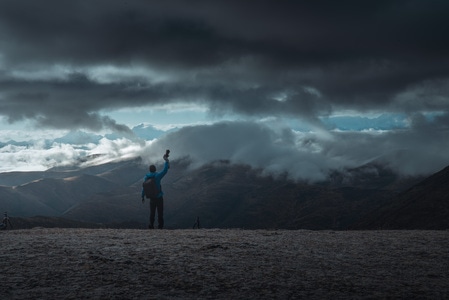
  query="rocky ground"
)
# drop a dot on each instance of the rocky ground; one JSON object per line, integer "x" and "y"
{"x": 223, "y": 264}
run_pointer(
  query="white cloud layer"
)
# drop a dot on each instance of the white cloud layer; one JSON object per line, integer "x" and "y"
{"x": 275, "y": 149}
{"x": 308, "y": 155}
{"x": 39, "y": 157}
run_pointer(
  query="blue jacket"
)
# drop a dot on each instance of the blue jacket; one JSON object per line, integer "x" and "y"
{"x": 158, "y": 176}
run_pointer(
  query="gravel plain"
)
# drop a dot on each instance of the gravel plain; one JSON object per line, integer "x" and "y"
{"x": 55, "y": 263}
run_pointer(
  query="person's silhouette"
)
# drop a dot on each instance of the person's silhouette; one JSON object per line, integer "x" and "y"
{"x": 6, "y": 222}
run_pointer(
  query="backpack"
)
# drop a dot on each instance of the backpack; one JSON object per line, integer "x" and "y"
{"x": 150, "y": 188}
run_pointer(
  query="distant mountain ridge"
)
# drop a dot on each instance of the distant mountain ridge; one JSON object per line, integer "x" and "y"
{"x": 78, "y": 137}
{"x": 225, "y": 196}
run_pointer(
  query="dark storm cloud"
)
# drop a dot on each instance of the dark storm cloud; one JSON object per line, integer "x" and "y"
{"x": 293, "y": 58}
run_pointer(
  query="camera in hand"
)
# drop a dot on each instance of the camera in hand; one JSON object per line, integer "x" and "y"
{"x": 167, "y": 152}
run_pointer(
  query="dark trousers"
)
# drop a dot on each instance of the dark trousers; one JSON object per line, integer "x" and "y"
{"x": 157, "y": 204}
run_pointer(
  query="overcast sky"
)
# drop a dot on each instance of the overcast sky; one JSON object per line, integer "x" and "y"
{"x": 291, "y": 86}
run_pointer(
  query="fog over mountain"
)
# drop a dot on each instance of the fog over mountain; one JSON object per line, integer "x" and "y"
{"x": 310, "y": 155}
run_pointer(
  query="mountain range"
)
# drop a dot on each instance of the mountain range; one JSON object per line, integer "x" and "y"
{"x": 81, "y": 138}
{"x": 224, "y": 195}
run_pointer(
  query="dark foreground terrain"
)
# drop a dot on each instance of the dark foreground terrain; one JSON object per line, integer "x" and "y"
{"x": 223, "y": 264}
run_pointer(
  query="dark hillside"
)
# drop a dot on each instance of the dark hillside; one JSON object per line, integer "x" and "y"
{"x": 225, "y": 195}
{"x": 424, "y": 206}
{"x": 228, "y": 196}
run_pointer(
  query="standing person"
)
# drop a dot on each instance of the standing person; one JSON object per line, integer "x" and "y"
{"x": 5, "y": 222}
{"x": 156, "y": 200}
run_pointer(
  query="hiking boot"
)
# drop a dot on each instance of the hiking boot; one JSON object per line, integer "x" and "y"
{"x": 150, "y": 226}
